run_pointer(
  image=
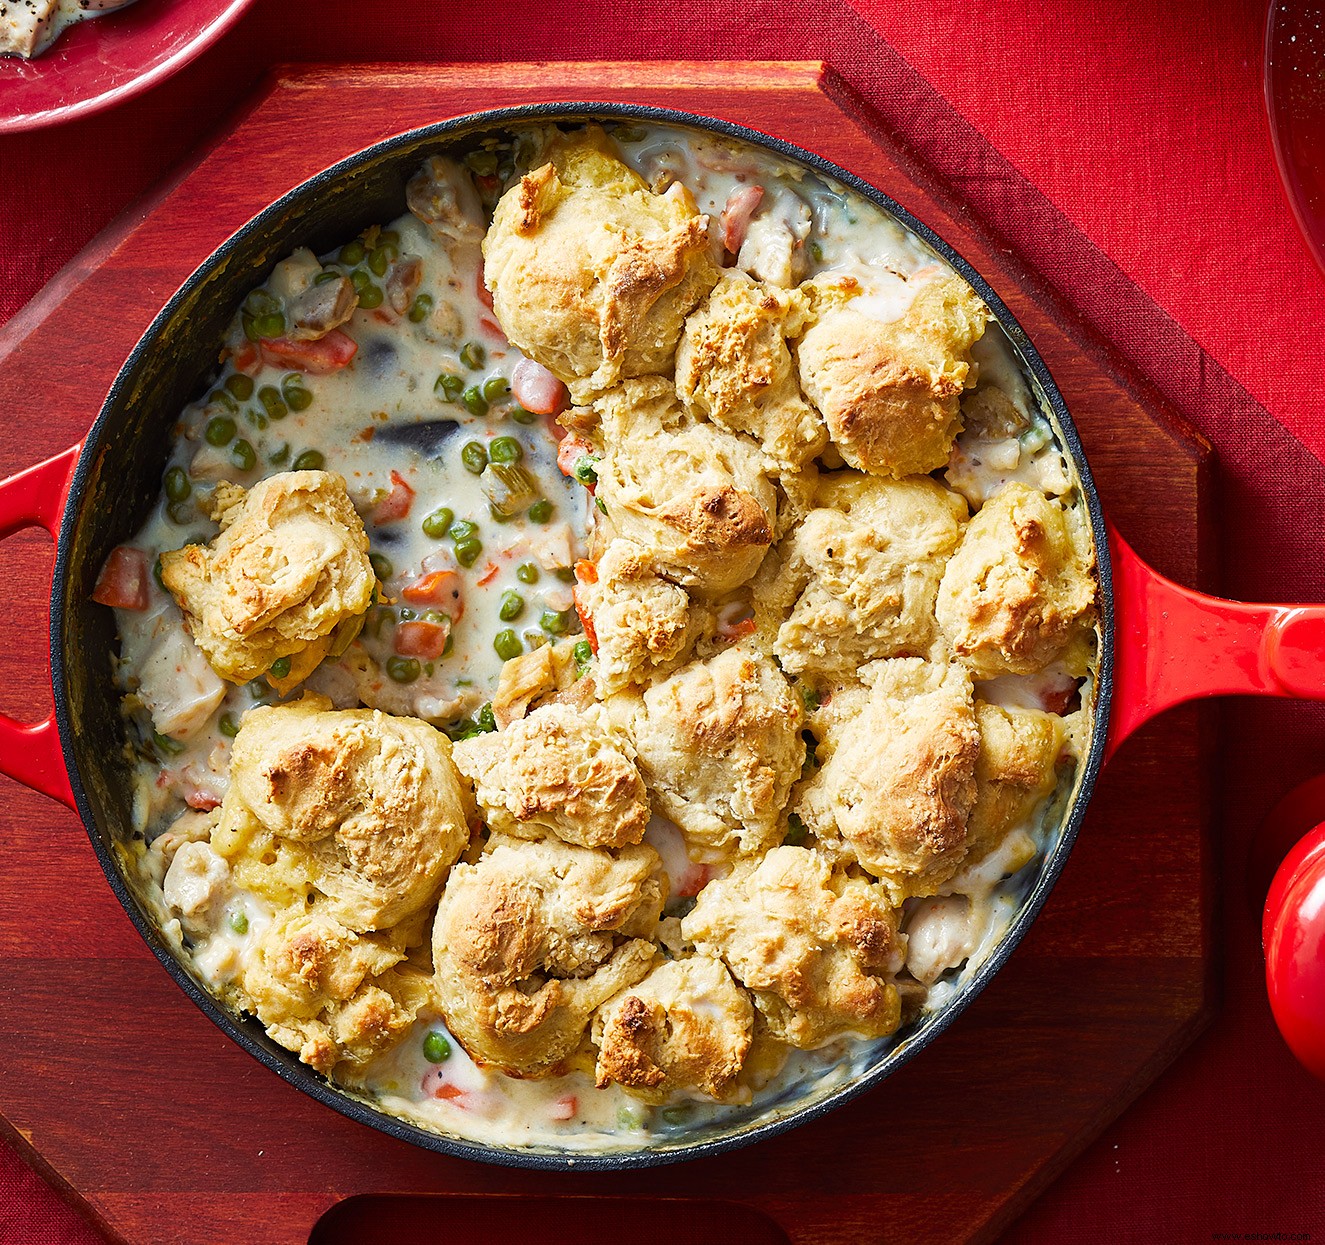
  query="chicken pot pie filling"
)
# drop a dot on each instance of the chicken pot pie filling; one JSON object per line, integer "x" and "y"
{"x": 611, "y": 646}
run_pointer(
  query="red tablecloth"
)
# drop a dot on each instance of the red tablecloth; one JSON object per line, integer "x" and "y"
{"x": 1125, "y": 149}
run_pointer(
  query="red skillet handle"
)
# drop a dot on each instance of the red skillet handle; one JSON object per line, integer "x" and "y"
{"x": 1293, "y": 938}
{"x": 1174, "y": 645}
{"x": 35, "y": 497}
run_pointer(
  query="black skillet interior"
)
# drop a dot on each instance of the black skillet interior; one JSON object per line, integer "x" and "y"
{"x": 119, "y": 477}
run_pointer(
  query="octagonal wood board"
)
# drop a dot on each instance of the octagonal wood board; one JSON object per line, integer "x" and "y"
{"x": 163, "y": 1131}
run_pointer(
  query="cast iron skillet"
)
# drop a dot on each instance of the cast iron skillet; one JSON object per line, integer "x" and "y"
{"x": 95, "y": 496}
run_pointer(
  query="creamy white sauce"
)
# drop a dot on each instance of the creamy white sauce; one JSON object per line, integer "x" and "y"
{"x": 379, "y": 416}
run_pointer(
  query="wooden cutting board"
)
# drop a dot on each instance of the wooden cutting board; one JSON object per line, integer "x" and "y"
{"x": 126, "y": 1096}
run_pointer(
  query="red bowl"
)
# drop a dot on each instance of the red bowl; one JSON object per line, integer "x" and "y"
{"x": 106, "y": 60}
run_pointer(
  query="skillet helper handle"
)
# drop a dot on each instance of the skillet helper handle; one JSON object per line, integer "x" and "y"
{"x": 30, "y": 752}
{"x": 1175, "y": 644}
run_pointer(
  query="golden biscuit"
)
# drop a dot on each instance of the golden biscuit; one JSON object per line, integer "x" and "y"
{"x": 687, "y": 1025}
{"x": 559, "y": 771}
{"x": 1018, "y": 589}
{"x": 642, "y": 622}
{"x": 898, "y": 782}
{"x": 857, "y": 579}
{"x": 288, "y": 577}
{"x": 1015, "y": 771}
{"x": 733, "y": 367}
{"x": 529, "y": 941}
{"x": 591, "y": 273}
{"x": 810, "y": 944}
{"x": 889, "y": 390}
{"x": 696, "y": 498}
{"x": 719, "y": 744}
{"x": 364, "y": 808}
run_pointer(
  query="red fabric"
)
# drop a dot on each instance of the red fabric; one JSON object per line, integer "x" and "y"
{"x": 1124, "y": 150}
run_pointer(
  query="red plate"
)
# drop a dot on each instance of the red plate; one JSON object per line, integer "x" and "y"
{"x": 106, "y": 60}
{"x": 1295, "y": 99}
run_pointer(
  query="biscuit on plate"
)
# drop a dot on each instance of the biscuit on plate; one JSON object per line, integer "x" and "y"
{"x": 288, "y": 577}
{"x": 591, "y": 273}
{"x": 536, "y": 935}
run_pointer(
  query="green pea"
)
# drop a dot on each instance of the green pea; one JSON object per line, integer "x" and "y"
{"x": 180, "y": 512}
{"x": 527, "y": 573}
{"x": 486, "y": 719}
{"x": 475, "y": 458}
{"x": 388, "y": 237}
{"x": 817, "y": 252}
{"x": 220, "y": 430}
{"x": 261, "y": 302}
{"x": 556, "y": 622}
{"x": 403, "y": 669}
{"x": 507, "y": 644}
{"x": 467, "y": 551}
{"x": 434, "y": 616}
{"x": 521, "y": 416}
{"x": 462, "y": 529}
{"x": 352, "y": 253}
{"x": 238, "y": 921}
{"x": 229, "y": 727}
{"x": 270, "y": 326}
{"x": 297, "y": 397}
{"x": 369, "y": 297}
{"x": 240, "y": 386}
{"x": 449, "y": 387}
{"x": 512, "y": 606}
{"x": 164, "y": 743}
{"x": 309, "y": 460}
{"x": 566, "y": 574}
{"x": 378, "y": 258}
{"x": 258, "y": 688}
{"x": 243, "y": 455}
{"x": 250, "y": 326}
{"x": 495, "y": 388}
{"x": 506, "y": 450}
{"x": 436, "y": 1049}
{"x": 257, "y": 419}
{"x": 796, "y": 831}
{"x": 280, "y": 668}
{"x": 586, "y": 469}
{"x": 327, "y": 274}
{"x": 220, "y": 397}
{"x": 421, "y": 309}
{"x": 676, "y": 1115}
{"x": 541, "y": 511}
{"x": 438, "y": 523}
{"x": 583, "y": 653}
{"x": 281, "y": 456}
{"x": 809, "y": 697}
{"x": 473, "y": 355}
{"x": 381, "y": 565}
{"x": 272, "y": 403}
{"x": 465, "y": 728}
{"x": 474, "y": 401}
{"x": 177, "y": 484}
{"x": 484, "y": 163}
{"x": 628, "y": 134}
{"x": 407, "y": 614}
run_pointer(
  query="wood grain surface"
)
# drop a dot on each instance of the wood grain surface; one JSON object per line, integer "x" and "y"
{"x": 165, "y": 1132}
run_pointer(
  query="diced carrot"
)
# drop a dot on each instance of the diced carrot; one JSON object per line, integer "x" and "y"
{"x": 739, "y": 630}
{"x": 570, "y": 451}
{"x": 482, "y": 290}
{"x": 586, "y": 621}
{"x": 567, "y": 1107}
{"x": 122, "y": 583}
{"x": 326, "y": 354}
{"x": 246, "y": 358}
{"x": 742, "y": 204}
{"x": 693, "y": 880}
{"x": 489, "y": 575}
{"x": 396, "y": 504}
{"x": 436, "y": 588}
{"x": 538, "y": 390}
{"x": 586, "y": 572}
{"x": 422, "y": 639}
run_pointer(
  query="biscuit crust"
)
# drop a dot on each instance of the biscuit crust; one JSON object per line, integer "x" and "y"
{"x": 361, "y": 808}
{"x": 1019, "y": 588}
{"x": 591, "y": 273}
{"x": 812, "y": 945}
{"x": 536, "y": 935}
{"x": 889, "y": 391}
{"x": 288, "y": 576}
{"x": 558, "y": 771}
{"x": 687, "y": 1025}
